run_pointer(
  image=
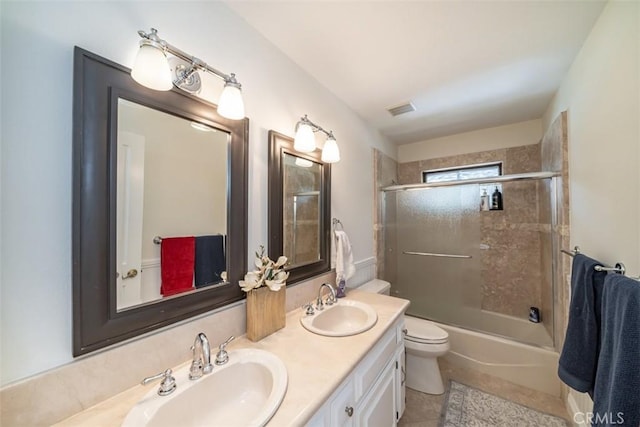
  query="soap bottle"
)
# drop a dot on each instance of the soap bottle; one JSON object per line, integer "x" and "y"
{"x": 340, "y": 291}
{"x": 484, "y": 200}
{"x": 496, "y": 200}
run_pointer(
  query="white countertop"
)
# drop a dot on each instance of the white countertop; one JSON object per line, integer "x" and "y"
{"x": 316, "y": 366}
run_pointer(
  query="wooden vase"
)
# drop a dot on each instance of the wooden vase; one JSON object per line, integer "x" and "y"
{"x": 265, "y": 312}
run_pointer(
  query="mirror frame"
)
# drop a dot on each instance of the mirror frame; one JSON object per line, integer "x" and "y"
{"x": 279, "y": 145}
{"x": 98, "y": 83}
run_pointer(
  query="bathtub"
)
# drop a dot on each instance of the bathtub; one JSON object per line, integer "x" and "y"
{"x": 522, "y": 364}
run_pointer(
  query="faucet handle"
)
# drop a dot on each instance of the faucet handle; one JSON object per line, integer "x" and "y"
{"x": 308, "y": 309}
{"x": 223, "y": 357}
{"x": 330, "y": 300}
{"x": 167, "y": 385}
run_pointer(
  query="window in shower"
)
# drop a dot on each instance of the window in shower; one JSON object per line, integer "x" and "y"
{"x": 486, "y": 170}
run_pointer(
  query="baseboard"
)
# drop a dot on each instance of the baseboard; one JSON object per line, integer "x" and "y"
{"x": 578, "y": 405}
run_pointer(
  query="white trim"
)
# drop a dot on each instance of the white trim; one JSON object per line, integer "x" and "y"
{"x": 365, "y": 271}
{"x": 572, "y": 408}
{"x": 150, "y": 263}
{"x": 578, "y": 403}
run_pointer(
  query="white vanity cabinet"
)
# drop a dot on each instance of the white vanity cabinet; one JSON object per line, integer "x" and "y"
{"x": 373, "y": 394}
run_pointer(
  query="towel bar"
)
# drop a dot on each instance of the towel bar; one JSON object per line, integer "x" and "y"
{"x": 436, "y": 255}
{"x": 618, "y": 268}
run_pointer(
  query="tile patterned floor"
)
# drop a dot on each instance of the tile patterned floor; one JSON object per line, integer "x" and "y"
{"x": 423, "y": 410}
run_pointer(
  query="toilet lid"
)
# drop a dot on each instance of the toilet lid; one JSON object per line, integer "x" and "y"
{"x": 420, "y": 330}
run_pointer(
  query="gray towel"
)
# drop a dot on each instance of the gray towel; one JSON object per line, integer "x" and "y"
{"x": 210, "y": 260}
{"x": 616, "y": 399}
{"x": 578, "y": 362}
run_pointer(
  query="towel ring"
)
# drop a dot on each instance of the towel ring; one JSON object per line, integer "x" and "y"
{"x": 336, "y": 222}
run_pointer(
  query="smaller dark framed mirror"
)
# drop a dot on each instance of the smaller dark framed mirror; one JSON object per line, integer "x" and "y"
{"x": 299, "y": 208}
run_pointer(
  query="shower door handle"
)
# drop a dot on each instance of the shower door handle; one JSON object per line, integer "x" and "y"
{"x": 436, "y": 255}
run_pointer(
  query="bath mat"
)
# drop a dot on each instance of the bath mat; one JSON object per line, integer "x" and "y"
{"x": 466, "y": 406}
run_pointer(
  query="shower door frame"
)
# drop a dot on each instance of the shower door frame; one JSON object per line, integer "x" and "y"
{"x": 553, "y": 205}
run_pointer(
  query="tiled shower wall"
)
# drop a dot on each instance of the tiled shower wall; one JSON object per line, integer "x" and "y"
{"x": 555, "y": 157}
{"x": 300, "y": 228}
{"x": 385, "y": 174}
{"x": 513, "y": 274}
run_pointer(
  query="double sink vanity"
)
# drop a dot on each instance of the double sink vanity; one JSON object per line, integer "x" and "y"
{"x": 340, "y": 366}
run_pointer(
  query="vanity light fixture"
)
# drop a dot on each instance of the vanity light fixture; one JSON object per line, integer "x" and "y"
{"x": 154, "y": 70}
{"x": 305, "y": 140}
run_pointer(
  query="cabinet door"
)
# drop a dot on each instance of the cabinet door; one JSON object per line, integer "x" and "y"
{"x": 401, "y": 376}
{"x": 378, "y": 408}
{"x": 342, "y": 406}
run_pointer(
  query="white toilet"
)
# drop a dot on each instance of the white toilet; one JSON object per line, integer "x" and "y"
{"x": 424, "y": 343}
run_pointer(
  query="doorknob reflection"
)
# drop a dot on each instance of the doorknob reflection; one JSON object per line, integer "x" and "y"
{"x": 130, "y": 274}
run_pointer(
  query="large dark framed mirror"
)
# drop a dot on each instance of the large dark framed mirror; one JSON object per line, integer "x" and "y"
{"x": 159, "y": 188}
{"x": 299, "y": 208}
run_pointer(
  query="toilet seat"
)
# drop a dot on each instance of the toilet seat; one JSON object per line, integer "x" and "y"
{"x": 424, "y": 332}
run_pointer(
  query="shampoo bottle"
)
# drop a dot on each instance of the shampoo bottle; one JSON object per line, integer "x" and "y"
{"x": 484, "y": 201}
{"x": 496, "y": 200}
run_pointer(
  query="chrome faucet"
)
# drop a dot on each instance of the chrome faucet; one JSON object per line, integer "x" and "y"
{"x": 201, "y": 363}
{"x": 331, "y": 299}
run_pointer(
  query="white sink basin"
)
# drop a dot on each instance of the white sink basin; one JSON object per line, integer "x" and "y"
{"x": 341, "y": 319}
{"x": 246, "y": 391}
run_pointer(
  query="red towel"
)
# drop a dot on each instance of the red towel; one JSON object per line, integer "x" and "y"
{"x": 177, "y": 257}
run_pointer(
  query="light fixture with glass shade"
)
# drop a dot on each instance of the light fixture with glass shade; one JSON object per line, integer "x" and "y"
{"x": 154, "y": 70}
{"x": 330, "y": 151}
{"x": 305, "y": 141}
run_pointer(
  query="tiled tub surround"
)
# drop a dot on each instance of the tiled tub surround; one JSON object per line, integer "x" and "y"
{"x": 517, "y": 237}
{"x": 385, "y": 173}
{"x": 316, "y": 365}
{"x": 300, "y": 226}
{"x": 514, "y": 160}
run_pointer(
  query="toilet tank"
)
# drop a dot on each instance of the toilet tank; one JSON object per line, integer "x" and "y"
{"x": 377, "y": 286}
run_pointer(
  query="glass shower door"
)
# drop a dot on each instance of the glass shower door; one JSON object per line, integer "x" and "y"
{"x": 480, "y": 270}
{"x": 439, "y": 221}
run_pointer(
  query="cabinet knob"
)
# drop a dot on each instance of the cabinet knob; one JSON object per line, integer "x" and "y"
{"x": 349, "y": 410}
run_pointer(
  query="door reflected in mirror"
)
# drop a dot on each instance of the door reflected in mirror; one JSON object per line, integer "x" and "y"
{"x": 171, "y": 205}
{"x": 301, "y": 210}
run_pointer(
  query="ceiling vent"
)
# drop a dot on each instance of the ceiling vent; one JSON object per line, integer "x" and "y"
{"x": 401, "y": 109}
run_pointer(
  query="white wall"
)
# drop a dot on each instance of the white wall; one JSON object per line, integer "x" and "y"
{"x": 601, "y": 93}
{"x": 37, "y": 40}
{"x": 513, "y": 135}
{"x": 176, "y": 158}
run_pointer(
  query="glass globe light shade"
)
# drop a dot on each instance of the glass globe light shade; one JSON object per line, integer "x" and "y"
{"x": 305, "y": 141}
{"x": 231, "y": 104}
{"x": 330, "y": 151}
{"x": 151, "y": 68}
{"x": 303, "y": 163}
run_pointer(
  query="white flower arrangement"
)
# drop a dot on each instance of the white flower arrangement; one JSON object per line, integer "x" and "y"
{"x": 269, "y": 273}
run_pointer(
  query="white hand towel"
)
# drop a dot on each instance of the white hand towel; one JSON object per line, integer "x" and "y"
{"x": 345, "y": 269}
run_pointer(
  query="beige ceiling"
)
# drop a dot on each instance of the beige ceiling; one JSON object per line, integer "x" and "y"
{"x": 465, "y": 65}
